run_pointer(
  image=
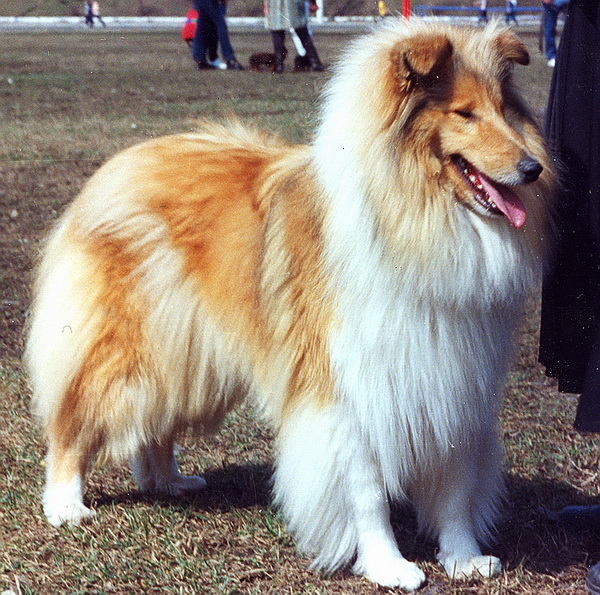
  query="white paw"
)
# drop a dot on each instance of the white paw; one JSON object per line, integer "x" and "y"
{"x": 483, "y": 566}
{"x": 63, "y": 502}
{"x": 177, "y": 486}
{"x": 72, "y": 514}
{"x": 393, "y": 572}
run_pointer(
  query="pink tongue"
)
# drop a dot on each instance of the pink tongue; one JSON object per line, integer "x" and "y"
{"x": 506, "y": 200}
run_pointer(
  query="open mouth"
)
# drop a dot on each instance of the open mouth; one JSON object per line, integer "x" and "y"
{"x": 494, "y": 198}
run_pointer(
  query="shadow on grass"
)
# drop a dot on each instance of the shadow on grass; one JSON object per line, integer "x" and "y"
{"x": 228, "y": 488}
{"x": 526, "y": 536}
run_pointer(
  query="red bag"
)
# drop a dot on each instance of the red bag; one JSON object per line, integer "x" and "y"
{"x": 189, "y": 28}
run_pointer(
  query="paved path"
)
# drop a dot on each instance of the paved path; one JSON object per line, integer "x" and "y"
{"x": 239, "y": 24}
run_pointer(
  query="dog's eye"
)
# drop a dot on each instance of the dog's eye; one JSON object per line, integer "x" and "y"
{"x": 464, "y": 113}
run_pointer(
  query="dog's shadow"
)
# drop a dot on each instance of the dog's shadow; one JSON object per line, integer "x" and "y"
{"x": 228, "y": 488}
{"x": 527, "y": 536}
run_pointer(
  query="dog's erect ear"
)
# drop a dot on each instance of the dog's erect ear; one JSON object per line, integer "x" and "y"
{"x": 511, "y": 48}
{"x": 421, "y": 56}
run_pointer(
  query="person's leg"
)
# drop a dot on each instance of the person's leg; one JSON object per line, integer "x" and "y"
{"x": 511, "y": 6}
{"x": 214, "y": 39}
{"x": 550, "y": 18}
{"x": 311, "y": 51}
{"x": 215, "y": 14}
{"x": 593, "y": 580}
{"x": 211, "y": 39}
{"x": 224, "y": 41}
{"x": 278, "y": 38}
{"x": 199, "y": 42}
{"x": 483, "y": 11}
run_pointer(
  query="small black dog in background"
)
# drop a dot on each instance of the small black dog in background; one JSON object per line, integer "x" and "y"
{"x": 266, "y": 61}
{"x": 262, "y": 61}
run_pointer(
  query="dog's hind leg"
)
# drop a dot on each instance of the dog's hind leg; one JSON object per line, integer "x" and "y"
{"x": 155, "y": 469}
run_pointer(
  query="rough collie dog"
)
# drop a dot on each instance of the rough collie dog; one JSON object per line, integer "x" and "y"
{"x": 362, "y": 289}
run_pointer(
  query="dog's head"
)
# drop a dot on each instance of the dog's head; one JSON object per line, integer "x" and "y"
{"x": 440, "y": 101}
{"x": 457, "y": 101}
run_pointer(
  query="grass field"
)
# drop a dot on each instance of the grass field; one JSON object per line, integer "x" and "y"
{"x": 68, "y": 102}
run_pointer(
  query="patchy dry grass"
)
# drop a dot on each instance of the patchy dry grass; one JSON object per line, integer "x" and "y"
{"x": 68, "y": 102}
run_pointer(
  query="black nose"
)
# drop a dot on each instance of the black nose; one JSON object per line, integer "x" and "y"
{"x": 530, "y": 169}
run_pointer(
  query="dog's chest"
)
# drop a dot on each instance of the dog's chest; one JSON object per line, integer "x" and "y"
{"x": 392, "y": 348}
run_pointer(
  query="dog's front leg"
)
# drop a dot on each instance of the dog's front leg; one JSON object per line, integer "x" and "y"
{"x": 330, "y": 491}
{"x": 378, "y": 556}
{"x": 459, "y": 504}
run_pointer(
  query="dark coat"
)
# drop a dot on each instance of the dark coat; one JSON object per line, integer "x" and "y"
{"x": 570, "y": 332}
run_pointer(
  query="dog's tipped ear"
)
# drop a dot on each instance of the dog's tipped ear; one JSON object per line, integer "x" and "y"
{"x": 421, "y": 56}
{"x": 511, "y": 48}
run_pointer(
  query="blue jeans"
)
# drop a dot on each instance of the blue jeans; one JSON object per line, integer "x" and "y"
{"x": 551, "y": 12}
{"x": 214, "y": 11}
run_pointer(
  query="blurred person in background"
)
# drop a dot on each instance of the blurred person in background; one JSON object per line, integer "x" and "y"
{"x": 511, "y": 11}
{"x": 291, "y": 14}
{"x": 213, "y": 12}
{"x": 87, "y": 11}
{"x": 552, "y": 8}
{"x": 483, "y": 17}
{"x": 96, "y": 13}
{"x": 211, "y": 39}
